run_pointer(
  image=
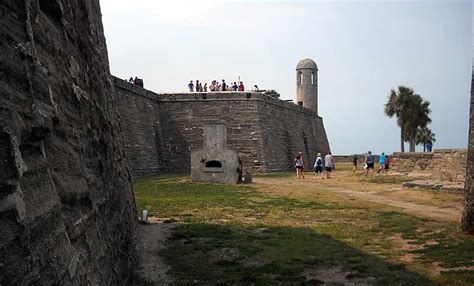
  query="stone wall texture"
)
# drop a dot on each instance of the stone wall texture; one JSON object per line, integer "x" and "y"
{"x": 266, "y": 132}
{"x": 67, "y": 212}
{"x": 443, "y": 164}
{"x": 467, "y": 223}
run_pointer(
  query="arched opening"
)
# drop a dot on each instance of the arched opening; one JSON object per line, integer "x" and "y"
{"x": 312, "y": 78}
{"x": 213, "y": 164}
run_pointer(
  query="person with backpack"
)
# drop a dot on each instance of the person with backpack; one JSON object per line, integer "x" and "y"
{"x": 299, "y": 165}
{"x": 369, "y": 163}
{"x": 318, "y": 165}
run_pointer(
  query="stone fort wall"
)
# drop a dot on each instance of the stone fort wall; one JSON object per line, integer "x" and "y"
{"x": 161, "y": 130}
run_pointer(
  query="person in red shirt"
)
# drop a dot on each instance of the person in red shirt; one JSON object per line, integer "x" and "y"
{"x": 241, "y": 87}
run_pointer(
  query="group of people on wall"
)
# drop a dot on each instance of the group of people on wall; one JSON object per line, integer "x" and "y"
{"x": 136, "y": 81}
{"x": 215, "y": 86}
{"x": 327, "y": 163}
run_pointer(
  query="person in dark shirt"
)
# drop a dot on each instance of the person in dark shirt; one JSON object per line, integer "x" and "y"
{"x": 354, "y": 164}
{"x": 369, "y": 163}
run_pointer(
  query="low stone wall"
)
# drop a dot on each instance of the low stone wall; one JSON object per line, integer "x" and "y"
{"x": 349, "y": 158}
{"x": 442, "y": 164}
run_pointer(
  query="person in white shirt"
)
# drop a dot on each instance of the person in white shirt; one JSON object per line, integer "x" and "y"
{"x": 329, "y": 164}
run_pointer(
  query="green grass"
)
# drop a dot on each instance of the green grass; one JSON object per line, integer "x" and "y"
{"x": 237, "y": 234}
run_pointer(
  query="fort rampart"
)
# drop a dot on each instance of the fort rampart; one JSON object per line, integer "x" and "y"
{"x": 161, "y": 130}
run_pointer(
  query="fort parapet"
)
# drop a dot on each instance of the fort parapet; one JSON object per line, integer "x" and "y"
{"x": 161, "y": 130}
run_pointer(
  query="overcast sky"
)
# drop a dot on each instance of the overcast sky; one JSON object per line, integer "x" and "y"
{"x": 362, "y": 49}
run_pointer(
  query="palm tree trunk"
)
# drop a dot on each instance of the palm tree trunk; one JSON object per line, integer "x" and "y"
{"x": 467, "y": 222}
{"x": 412, "y": 141}
{"x": 412, "y": 144}
{"x": 402, "y": 141}
{"x": 424, "y": 147}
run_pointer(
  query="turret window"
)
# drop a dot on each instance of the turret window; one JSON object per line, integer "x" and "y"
{"x": 312, "y": 78}
{"x": 301, "y": 78}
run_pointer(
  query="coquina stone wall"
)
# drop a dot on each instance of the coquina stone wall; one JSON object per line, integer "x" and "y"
{"x": 266, "y": 132}
{"x": 442, "y": 164}
{"x": 67, "y": 212}
{"x": 140, "y": 119}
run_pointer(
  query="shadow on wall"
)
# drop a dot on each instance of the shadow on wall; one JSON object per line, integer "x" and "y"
{"x": 224, "y": 254}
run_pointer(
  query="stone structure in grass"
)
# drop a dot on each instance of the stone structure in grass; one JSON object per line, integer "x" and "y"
{"x": 214, "y": 162}
{"x": 162, "y": 130}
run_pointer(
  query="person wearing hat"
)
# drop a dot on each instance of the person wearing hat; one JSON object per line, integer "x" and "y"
{"x": 318, "y": 165}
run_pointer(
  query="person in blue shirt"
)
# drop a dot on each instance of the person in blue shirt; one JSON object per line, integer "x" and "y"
{"x": 381, "y": 163}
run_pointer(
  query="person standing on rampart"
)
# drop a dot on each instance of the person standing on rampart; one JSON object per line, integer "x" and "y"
{"x": 191, "y": 86}
{"x": 224, "y": 85}
{"x": 241, "y": 86}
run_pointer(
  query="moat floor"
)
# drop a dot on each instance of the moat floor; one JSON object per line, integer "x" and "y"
{"x": 347, "y": 230}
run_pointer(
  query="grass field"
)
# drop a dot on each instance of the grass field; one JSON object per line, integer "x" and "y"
{"x": 285, "y": 231}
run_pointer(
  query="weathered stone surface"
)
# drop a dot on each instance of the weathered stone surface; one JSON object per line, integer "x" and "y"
{"x": 214, "y": 162}
{"x": 423, "y": 185}
{"x": 66, "y": 207}
{"x": 453, "y": 189}
{"x": 307, "y": 84}
{"x": 467, "y": 223}
{"x": 442, "y": 164}
{"x": 161, "y": 130}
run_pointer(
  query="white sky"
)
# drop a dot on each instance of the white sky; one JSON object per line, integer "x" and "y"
{"x": 363, "y": 49}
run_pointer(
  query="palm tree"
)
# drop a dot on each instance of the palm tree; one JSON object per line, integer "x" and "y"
{"x": 397, "y": 105}
{"x": 424, "y": 136}
{"x": 417, "y": 117}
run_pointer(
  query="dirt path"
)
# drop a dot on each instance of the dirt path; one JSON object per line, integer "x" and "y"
{"x": 409, "y": 207}
{"x": 152, "y": 270}
{"x": 375, "y": 193}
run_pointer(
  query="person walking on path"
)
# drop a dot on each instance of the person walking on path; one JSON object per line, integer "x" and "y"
{"x": 329, "y": 164}
{"x": 387, "y": 163}
{"x": 381, "y": 163}
{"x": 299, "y": 165}
{"x": 191, "y": 86}
{"x": 318, "y": 165}
{"x": 369, "y": 163}
{"x": 354, "y": 164}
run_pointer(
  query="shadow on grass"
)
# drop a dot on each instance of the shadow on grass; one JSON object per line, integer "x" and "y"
{"x": 209, "y": 254}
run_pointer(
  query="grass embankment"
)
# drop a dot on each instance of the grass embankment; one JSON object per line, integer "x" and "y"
{"x": 268, "y": 233}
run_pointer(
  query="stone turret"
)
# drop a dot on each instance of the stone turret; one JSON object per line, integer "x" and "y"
{"x": 307, "y": 84}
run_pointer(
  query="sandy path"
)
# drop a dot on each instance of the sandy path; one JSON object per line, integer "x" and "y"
{"x": 374, "y": 196}
{"x": 151, "y": 269}
{"x": 408, "y": 207}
